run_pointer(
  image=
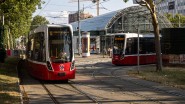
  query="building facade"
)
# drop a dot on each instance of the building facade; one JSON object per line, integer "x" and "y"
{"x": 126, "y": 20}
{"x": 171, "y": 6}
{"x": 74, "y": 16}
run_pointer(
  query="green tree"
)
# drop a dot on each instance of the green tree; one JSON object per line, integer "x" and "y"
{"x": 177, "y": 20}
{"x": 18, "y": 15}
{"x": 37, "y": 21}
{"x": 151, "y": 7}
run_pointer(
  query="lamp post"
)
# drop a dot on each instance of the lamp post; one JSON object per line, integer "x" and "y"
{"x": 98, "y": 3}
{"x": 79, "y": 34}
{"x": 138, "y": 48}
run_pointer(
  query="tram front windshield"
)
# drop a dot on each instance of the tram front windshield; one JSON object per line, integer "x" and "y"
{"x": 118, "y": 47}
{"x": 60, "y": 44}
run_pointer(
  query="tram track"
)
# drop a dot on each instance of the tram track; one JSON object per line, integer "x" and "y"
{"x": 49, "y": 93}
{"x": 74, "y": 87}
{"x": 44, "y": 84}
{"x": 113, "y": 75}
{"x": 132, "y": 93}
{"x": 71, "y": 89}
{"x": 85, "y": 94}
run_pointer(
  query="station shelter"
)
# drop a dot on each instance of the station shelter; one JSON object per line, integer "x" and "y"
{"x": 125, "y": 20}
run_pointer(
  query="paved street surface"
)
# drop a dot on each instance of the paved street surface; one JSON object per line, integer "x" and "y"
{"x": 98, "y": 79}
{"x": 93, "y": 59}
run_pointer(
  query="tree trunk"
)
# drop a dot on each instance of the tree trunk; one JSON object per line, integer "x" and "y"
{"x": 8, "y": 39}
{"x": 157, "y": 42}
{"x": 151, "y": 7}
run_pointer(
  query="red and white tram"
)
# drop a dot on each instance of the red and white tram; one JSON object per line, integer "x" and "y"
{"x": 50, "y": 53}
{"x": 125, "y": 49}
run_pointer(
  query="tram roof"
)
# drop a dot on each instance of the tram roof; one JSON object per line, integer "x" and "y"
{"x": 133, "y": 35}
{"x": 129, "y": 35}
{"x": 41, "y": 28}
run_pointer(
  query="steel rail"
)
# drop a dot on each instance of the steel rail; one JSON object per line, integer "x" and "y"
{"x": 49, "y": 93}
{"x": 84, "y": 93}
{"x": 133, "y": 93}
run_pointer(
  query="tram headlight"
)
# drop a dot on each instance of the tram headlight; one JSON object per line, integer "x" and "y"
{"x": 73, "y": 65}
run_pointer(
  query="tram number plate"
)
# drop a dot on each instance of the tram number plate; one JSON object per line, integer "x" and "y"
{"x": 61, "y": 74}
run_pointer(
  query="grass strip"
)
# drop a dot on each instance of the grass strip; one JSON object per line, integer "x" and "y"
{"x": 9, "y": 88}
{"x": 170, "y": 76}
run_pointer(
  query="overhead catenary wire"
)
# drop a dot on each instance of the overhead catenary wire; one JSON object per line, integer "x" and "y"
{"x": 86, "y": 7}
{"x": 92, "y": 4}
{"x": 104, "y": 7}
{"x": 44, "y": 7}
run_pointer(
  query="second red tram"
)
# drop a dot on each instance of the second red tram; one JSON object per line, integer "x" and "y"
{"x": 125, "y": 49}
{"x": 50, "y": 53}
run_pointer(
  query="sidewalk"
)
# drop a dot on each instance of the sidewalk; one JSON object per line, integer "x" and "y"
{"x": 93, "y": 56}
{"x": 92, "y": 59}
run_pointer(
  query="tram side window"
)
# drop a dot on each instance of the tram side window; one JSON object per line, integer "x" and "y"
{"x": 42, "y": 49}
{"x": 131, "y": 46}
{"x": 32, "y": 47}
{"x": 147, "y": 45}
{"x": 28, "y": 49}
{"x": 142, "y": 46}
{"x": 39, "y": 47}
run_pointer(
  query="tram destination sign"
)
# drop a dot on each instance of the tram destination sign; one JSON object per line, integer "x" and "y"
{"x": 119, "y": 38}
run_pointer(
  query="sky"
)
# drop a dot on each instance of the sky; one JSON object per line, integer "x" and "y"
{"x": 56, "y": 11}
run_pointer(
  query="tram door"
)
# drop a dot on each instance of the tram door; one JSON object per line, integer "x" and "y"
{"x": 85, "y": 44}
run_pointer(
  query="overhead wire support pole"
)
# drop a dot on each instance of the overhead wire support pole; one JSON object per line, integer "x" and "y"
{"x": 79, "y": 34}
{"x": 138, "y": 49}
{"x": 78, "y": 28}
{"x": 98, "y": 9}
